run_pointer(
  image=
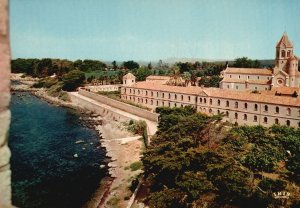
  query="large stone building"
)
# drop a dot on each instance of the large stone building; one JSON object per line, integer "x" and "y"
{"x": 273, "y": 96}
{"x": 285, "y": 72}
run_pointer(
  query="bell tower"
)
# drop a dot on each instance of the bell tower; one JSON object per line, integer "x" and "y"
{"x": 284, "y": 50}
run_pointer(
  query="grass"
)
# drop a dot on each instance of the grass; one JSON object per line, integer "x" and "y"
{"x": 136, "y": 166}
{"x": 99, "y": 73}
{"x": 113, "y": 201}
{"x": 116, "y": 95}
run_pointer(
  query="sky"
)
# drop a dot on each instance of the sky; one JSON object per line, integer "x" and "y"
{"x": 147, "y": 30}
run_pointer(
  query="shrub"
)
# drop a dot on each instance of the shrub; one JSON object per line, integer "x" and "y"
{"x": 136, "y": 166}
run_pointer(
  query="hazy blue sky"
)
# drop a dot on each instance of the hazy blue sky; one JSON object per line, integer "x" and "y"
{"x": 151, "y": 29}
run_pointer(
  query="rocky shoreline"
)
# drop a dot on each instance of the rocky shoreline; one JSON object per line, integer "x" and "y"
{"x": 121, "y": 148}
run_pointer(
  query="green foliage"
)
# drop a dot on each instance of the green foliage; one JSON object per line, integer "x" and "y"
{"x": 244, "y": 62}
{"x": 72, "y": 80}
{"x": 131, "y": 65}
{"x": 183, "y": 169}
{"x": 211, "y": 81}
{"x": 136, "y": 166}
{"x": 141, "y": 73}
{"x": 137, "y": 127}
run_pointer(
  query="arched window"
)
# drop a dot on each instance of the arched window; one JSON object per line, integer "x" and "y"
{"x": 245, "y": 105}
{"x": 218, "y": 111}
{"x": 288, "y": 111}
{"x": 227, "y": 103}
{"x": 152, "y": 94}
{"x": 236, "y": 116}
{"x": 157, "y": 103}
{"x": 210, "y": 101}
{"x": 169, "y": 96}
{"x": 277, "y": 109}
{"x": 210, "y": 110}
{"x": 288, "y": 53}
{"x": 146, "y": 93}
{"x": 169, "y": 104}
{"x": 181, "y": 97}
{"x": 299, "y": 124}
{"x": 204, "y": 100}
{"x": 175, "y": 97}
{"x": 265, "y": 120}
{"x": 138, "y": 91}
{"x": 175, "y": 105}
{"x": 288, "y": 123}
{"x": 129, "y": 90}
{"x": 200, "y": 100}
{"x": 266, "y": 108}
{"x": 255, "y": 107}
{"x": 283, "y": 54}
{"x": 236, "y": 104}
{"x": 181, "y": 105}
{"x": 189, "y": 98}
{"x": 227, "y": 114}
{"x": 245, "y": 117}
{"x": 276, "y": 121}
{"x": 157, "y": 94}
{"x": 146, "y": 101}
{"x": 219, "y": 102}
{"x": 163, "y": 95}
{"x": 255, "y": 118}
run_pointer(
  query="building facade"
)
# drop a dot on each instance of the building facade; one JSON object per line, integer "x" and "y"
{"x": 285, "y": 73}
{"x": 262, "y": 108}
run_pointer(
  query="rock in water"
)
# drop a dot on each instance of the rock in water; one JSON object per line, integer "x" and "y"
{"x": 76, "y": 155}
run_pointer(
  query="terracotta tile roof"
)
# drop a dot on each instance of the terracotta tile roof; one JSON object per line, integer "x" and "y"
{"x": 250, "y": 81}
{"x": 252, "y": 97}
{"x": 168, "y": 88}
{"x": 256, "y": 71}
{"x": 293, "y": 58}
{"x": 285, "y": 90}
{"x": 129, "y": 76}
{"x": 155, "y": 77}
{"x": 284, "y": 41}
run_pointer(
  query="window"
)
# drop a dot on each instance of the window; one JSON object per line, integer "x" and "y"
{"x": 157, "y": 103}
{"x": 276, "y": 121}
{"x": 227, "y": 103}
{"x": 146, "y": 101}
{"x": 265, "y": 120}
{"x": 236, "y": 104}
{"x": 138, "y": 91}
{"x": 204, "y": 100}
{"x": 175, "y": 97}
{"x": 257, "y": 77}
{"x": 152, "y": 94}
{"x": 239, "y": 76}
{"x": 288, "y": 111}
{"x": 200, "y": 100}
{"x": 219, "y": 102}
{"x": 181, "y": 97}
{"x": 236, "y": 116}
{"x": 229, "y": 76}
{"x": 266, "y": 108}
{"x": 129, "y": 90}
{"x": 277, "y": 109}
{"x": 248, "y": 77}
{"x": 236, "y": 87}
{"x": 218, "y": 111}
{"x": 255, "y": 107}
{"x": 169, "y": 104}
{"x": 245, "y": 117}
{"x": 283, "y": 54}
{"x": 210, "y": 101}
{"x": 245, "y": 105}
{"x": 169, "y": 96}
{"x": 181, "y": 105}
{"x": 157, "y": 94}
{"x": 227, "y": 114}
{"x": 175, "y": 105}
{"x": 210, "y": 110}
{"x": 189, "y": 98}
{"x": 228, "y": 86}
{"x": 288, "y": 53}
{"x": 163, "y": 95}
{"x": 288, "y": 123}
{"x": 299, "y": 124}
{"x": 255, "y": 119}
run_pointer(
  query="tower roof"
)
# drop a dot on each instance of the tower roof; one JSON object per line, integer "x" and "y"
{"x": 284, "y": 41}
{"x": 129, "y": 76}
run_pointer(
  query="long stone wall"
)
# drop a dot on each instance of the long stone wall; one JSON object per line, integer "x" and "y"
{"x": 5, "y": 173}
{"x": 120, "y": 105}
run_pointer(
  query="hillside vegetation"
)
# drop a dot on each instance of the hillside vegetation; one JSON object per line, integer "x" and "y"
{"x": 197, "y": 161}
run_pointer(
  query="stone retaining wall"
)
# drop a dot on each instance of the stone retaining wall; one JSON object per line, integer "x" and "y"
{"x": 120, "y": 105}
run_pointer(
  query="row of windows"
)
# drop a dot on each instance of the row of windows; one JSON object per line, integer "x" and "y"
{"x": 236, "y": 105}
{"x": 162, "y": 95}
{"x": 268, "y": 78}
{"x": 255, "y": 118}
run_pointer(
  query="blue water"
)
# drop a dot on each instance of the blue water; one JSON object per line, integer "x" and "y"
{"x": 44, "y": 171}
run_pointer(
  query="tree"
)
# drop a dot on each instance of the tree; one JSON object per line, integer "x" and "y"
{"x": 72, "y": 80}
{"x": 141, "y": 73}
{"x": 244, "y": 62}
{"x": 187, "y": 78}
{"x": 130, "y": 65}
{"x": 149, "y": 66}
{"x": 114, "y": 64}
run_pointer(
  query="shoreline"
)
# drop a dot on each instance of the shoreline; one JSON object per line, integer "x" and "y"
{"x": 101, "y": 194}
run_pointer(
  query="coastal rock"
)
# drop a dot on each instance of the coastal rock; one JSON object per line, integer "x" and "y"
{"x": 75, "y": 155}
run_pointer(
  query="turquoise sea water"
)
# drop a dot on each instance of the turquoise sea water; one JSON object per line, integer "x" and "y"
{"x": 45, "y": 172}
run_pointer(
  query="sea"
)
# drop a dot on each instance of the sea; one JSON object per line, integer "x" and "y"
{"x": 55, "y": 159}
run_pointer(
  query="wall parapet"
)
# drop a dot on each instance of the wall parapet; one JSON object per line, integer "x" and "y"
{"x": 120, "y": 105}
